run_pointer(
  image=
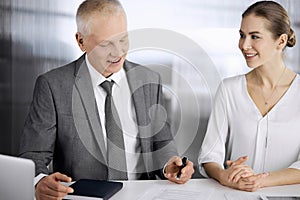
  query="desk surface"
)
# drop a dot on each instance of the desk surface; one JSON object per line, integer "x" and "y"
{"x": 136, "y": 189}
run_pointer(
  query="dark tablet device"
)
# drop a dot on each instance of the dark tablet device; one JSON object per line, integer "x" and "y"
{"x": 95, "y": 189}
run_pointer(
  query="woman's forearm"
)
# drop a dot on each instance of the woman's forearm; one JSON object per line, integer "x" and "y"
{"x": 282, "y": 177}
{"x": 213, "y": 170}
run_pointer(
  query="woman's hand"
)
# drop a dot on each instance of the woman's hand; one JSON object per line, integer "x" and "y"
{"x": 236, "y": 171}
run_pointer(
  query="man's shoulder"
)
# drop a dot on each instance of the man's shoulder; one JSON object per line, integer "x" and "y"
{"x": 131, "y": 67}
{"x": 64, "y": 71}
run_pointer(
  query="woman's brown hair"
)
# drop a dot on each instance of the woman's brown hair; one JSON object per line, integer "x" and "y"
{"x": 277, "y": 16}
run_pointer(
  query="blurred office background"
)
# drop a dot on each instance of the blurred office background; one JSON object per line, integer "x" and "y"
{"x": 192, "y": 43}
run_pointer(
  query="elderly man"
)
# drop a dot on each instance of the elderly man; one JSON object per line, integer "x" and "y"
{"x": 99, "y": 117}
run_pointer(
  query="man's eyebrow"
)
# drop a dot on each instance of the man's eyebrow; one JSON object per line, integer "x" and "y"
{"x": 104, "y": 41}
{"x": 125, "y": 35}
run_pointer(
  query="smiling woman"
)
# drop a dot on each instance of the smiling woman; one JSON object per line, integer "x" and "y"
{"x": 257, "y": 113}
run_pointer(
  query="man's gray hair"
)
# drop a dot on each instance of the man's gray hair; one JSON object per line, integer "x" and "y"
{"x": 91, "y": 7}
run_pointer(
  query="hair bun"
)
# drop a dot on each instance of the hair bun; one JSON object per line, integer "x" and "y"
{"x": 292, "y": 38}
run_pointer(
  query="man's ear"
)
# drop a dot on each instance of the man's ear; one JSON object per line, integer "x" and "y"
{"x": 282, "y": 41}
{"x": 80, "y": 42}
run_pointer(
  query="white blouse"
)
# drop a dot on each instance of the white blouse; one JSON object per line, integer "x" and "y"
{"x": 236, "y": 128}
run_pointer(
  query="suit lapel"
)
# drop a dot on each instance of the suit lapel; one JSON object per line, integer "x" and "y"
{"x": 139, "y": 97}
{"x": 85, "y": 104}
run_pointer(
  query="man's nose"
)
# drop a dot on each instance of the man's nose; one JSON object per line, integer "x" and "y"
{"x": 117, "y": 50}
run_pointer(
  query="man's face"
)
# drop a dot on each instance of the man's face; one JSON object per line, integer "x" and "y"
{"x": 107, "y": 42}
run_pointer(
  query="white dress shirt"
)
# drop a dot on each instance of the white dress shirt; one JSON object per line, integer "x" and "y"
{"x": 236, "y": 128}
{"x": 122, "y": 99}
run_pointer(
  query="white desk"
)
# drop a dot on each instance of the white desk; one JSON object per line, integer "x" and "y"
{"x": 135, "y": 189}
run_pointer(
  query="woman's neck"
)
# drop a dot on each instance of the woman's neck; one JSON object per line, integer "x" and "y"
{"x": 269, "y": 76}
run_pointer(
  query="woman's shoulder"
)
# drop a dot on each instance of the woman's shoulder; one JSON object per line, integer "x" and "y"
{"x": 234, "y": 81}
{"x": 296, "y": 82}
{"x": 232, "y": 85}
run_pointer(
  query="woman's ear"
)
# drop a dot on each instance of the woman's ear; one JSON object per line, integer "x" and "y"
{"x": 282, "y": 41}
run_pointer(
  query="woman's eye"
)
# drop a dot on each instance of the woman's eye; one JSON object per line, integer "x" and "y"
{"x": 242, "y": 35}
{"x": 254, "y": 37}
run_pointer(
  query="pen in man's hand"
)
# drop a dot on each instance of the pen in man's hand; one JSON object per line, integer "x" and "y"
{"x": 184, "y": 161}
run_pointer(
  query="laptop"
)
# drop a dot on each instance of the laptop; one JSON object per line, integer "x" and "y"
{"x": 16, "y": 178}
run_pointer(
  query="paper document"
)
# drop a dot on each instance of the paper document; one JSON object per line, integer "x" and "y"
{"x": 197, "y": 193}
{"x": 158, "y": 193}
{"x": 246, "y": 196}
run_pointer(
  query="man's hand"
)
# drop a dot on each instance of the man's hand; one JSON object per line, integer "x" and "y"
{"x": 50, "y": 187}
{"x": 172, "y": 168}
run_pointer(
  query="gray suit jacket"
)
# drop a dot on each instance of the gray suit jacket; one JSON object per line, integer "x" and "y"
{"x": 63, "y": 123}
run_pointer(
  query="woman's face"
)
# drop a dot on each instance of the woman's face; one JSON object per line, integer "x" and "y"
{"x": 257, "y": 43}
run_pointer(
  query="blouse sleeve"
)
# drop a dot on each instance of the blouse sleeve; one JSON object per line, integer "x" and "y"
{"x": 213, "y": 146}
{"x": 296, "y": 165}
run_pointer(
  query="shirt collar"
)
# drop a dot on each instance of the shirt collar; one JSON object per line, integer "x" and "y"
{"x": 97, "y": 78}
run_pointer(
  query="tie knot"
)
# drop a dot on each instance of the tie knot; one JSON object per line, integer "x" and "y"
{"x": 107, "y": 86}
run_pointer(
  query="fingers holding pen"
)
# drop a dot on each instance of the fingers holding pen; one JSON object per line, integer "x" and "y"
{"x": 185, "y": 172}
{"x": 179, "y": 170}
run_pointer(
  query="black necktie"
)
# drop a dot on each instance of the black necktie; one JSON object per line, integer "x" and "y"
{"x": 116, "y": 159}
